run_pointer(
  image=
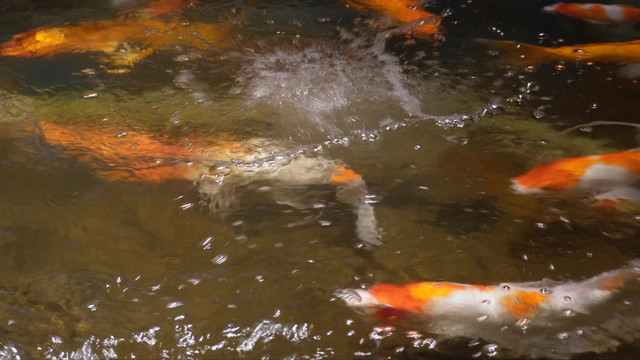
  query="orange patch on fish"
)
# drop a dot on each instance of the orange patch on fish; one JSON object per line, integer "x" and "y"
{"x": 413, "y": 297}
{"x": 557, "y": 175}
{"x": 344, "y": 175}
{"x": 523, "y": 304}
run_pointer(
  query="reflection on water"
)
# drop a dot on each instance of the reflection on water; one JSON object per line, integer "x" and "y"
{"x": 105, "y": 267}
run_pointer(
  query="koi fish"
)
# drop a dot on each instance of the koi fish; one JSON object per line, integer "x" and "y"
{"x": 596, "y": 13}
{"x": 219, "y": 167}
{"x": 405, "y": 11}
{"x": 125, "y": 41}
{"x": 547, "y": 319}
{"x": 502, "y": 303}
{"x": 624, "y": 52}
{"x": 610, "y": 178}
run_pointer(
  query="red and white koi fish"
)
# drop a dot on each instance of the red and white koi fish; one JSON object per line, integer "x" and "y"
{"x": 596, "y": 13}
{"x": 218, "y": 167}
{"x": 405, "y": 11}
{"x": 126, "y": 41}
{"x": 506, "y": 303}
{"x": 624, "y": 52}
{"x": 610, "y": 179}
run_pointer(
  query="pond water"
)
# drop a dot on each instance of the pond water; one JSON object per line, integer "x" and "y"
{"x": 97, "y": 267}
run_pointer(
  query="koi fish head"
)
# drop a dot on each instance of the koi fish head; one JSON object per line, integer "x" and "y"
{"x": 36, "y": 42}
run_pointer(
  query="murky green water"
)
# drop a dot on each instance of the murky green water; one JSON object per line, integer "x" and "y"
{"x": 115, "y": 269}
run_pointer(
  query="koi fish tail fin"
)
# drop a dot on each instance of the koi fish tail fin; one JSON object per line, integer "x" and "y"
{"x": 352, "y": 190}
{"x": 616, "y": 279}
{"x": 524, "y": 53}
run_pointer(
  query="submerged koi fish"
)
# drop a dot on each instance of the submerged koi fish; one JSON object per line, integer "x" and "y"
{"x": 596, "y": 13}
{"x": 405, "y": 11}
{"x": 536, "y": 302}
{"x": 219, "y": 167}
{"x": 610, "y": 178}
{"x": 125, "y": 41}
{"x": 625, "y": 52}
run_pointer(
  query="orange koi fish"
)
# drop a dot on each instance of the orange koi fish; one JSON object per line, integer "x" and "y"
{"x": 218, "y": 167}
{"x": 610, "y": 178}
{"x": 625, "y": 52}
{"x": 596, "y": 13}
{"x": 505, "y": 303}
{"x": 405, "y": 11}
{"x": 125, "y": 41}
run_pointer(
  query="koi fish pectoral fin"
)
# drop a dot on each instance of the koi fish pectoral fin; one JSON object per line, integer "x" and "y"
{"x": 124, "y": 54}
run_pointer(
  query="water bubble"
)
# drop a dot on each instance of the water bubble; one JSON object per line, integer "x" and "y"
{"x": 428, "y": 343}
{"x": 563, "y": 335}
{"x": 174, "y": 304}
{"x": 219, "y": 259}
{"x": 568, "y": 312}
{"x": 567, "y": 298}
{"x": 491, "y": 350}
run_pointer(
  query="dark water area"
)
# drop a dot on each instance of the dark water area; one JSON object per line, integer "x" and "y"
{"x": 97, "y": 265}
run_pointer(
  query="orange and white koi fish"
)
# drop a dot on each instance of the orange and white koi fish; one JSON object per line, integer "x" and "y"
{"x": 624, "y": 52}
{"x": 609, "y": 178}
{"x": 596, "y": 13}
{"x": 405, "y": 11}
{"x": 219, "y": 167}
{"x": 536, "y": 302}
{"x": 126, "y": 41}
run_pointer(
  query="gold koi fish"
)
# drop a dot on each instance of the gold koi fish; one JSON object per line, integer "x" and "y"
{"x": 125, "y": 41}
{"x": 623, "y": 52}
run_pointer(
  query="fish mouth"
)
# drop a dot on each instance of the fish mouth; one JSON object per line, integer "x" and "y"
{"x": 518, "y": 188}
{"x": 356, "y": 297}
